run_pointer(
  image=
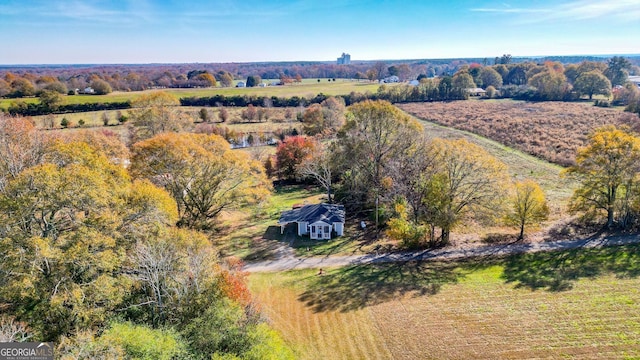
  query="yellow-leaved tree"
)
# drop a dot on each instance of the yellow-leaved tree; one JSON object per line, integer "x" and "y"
{"x": 607, "y": 168}
{"x": 156, "y": 113}
{"x": 202, "y": 173}
{"x": 67, "y": 226}
{"x": 528, "y": 206}
{"x": 467, "y": 181}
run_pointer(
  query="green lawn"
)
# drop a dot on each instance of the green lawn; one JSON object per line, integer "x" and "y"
{"x": 309, "y": 87}
{"x": 576, "y": 304}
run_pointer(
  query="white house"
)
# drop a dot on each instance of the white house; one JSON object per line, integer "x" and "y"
{"x": 476, "y": 92}
{"x": 319, "y": 221}
{"x": 240, "y": 84}
{"x": 89, "y": 90}
{"x": 391, "y": 79}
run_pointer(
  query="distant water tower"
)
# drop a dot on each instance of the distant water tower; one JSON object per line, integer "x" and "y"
{"x": 345, "y": 59}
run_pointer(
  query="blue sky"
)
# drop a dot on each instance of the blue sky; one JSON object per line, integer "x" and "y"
{"x": 177, "y": 31}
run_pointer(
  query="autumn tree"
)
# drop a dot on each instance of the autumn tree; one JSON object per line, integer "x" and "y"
{"x": 50, "y": 99}
{"x": 226, "y": 79}
{"x": 607, "y": 169}
{"x": 467, "y": 181}
{"x": 155, "y": 113}
{"x": 379, "y": 68}
{"x": 201, "y": 172}
{"x": 223, "y": 115}
{"x": 21, "y": 146}
{"x": 325, "y": 117}
{"x": 101, "y": 87}
{"x": 65, "y": 239}
{"x": 550, "y": 85}
{"x": 463, "y": 80}
{"x": 490, "y": 77}
{"x": 528, "y": 206}
{"x": 204, "y": 115}
{"x": 313, "y": 120}
{"x": 290, "y": 153}
{"x": 22, "y": 87}
{"x": 374, "y": 134}
{"x": 592, "y": 82}
{"x": 206, "y": 79}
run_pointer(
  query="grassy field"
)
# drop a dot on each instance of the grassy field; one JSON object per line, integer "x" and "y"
{"x": 576, "y": 304}
{"x": 309, "y": 87}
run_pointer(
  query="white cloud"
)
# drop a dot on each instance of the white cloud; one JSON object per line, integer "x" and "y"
{"x": 576, "y": 10}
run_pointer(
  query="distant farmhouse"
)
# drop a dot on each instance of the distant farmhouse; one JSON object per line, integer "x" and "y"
{"x": 345, "y": 59}
{"x": 319, "y": 221}
{"x": 635, "y": 80}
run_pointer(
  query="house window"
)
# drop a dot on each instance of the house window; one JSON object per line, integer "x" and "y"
{"x": 326, "y": 229}
{"x": 313, "y": 229}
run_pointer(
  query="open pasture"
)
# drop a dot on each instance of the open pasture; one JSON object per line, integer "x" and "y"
{"x": 583, "y": 304}
{"x": 309, "y": 87}
{"x": 550, "y": 130}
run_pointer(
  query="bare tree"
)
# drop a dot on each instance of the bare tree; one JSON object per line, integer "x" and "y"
{"x": 319, "y": 167}
{"x": 13, "y": 331}
{"x": 156, "y": 263}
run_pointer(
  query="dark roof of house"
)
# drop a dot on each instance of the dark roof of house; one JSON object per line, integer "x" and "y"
{"x": 312, "y": 213}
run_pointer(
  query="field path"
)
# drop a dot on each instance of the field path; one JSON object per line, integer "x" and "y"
{"x": 291, "y": 262}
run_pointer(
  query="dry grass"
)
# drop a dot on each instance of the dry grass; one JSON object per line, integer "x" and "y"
{"x": 579, "y": 304}
{"x": 549, "y": 130}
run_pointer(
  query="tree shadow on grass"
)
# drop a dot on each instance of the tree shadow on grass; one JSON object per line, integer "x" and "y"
{"x": 358, "y": 286}
{"x": 558, "y": 270}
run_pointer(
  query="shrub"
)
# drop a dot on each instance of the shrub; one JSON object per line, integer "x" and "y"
{"x": 142, "y": 342}
{"x": 64, "y": 123}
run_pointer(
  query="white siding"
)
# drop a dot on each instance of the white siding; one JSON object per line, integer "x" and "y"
{"x": 338, "y": 228}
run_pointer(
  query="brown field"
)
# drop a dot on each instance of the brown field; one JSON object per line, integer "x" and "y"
{"x": 580, "y": 304}
{"x": 549, "y": 130}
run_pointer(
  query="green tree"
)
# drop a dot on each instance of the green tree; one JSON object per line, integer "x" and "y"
{"x": 253, "y": 80}
{"x": 607, "y": 169}
{"x": 592, "y": 82}
{"x": 617, "y": 70}
{"x": 50, "y": 99}
{"x": 529, "y": 206}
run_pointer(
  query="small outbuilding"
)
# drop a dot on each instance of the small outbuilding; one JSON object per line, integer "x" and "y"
{"x": 319, "y": 221}
{"x": 241, "y": 84}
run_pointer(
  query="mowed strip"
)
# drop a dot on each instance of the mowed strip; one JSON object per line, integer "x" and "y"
{"x": 581, "y": 303}
{"x": 317, "y": 335}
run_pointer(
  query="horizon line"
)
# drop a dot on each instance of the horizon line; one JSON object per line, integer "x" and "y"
{"x": 311, "y": 61}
